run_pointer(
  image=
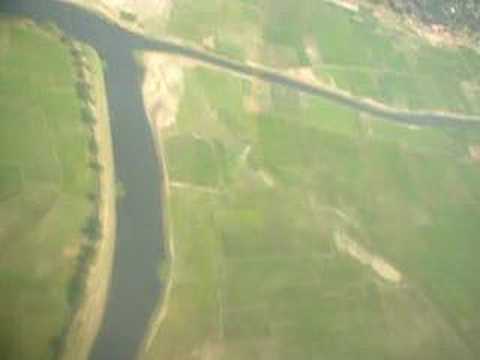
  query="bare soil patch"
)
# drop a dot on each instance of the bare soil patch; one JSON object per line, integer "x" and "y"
{"x": 163, "y": 88}
{"x": 474, "y": 151}
{"x": 258, "y": 100}
{"x": 358, "y": 252}
{"x": 304, "y": 74}
{"x": 311, "y": 50}
{"x": 351, "y": 5}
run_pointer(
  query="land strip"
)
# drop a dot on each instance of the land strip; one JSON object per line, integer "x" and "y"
{"x": 87, "y": 320}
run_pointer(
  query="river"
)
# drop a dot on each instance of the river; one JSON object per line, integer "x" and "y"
{"x": 139, "y": 245}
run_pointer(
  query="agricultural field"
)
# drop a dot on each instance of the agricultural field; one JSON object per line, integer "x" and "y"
{"x": 350, "y": 50}
{"x": 301, "y": 229}
{"x": 48, "y": 184}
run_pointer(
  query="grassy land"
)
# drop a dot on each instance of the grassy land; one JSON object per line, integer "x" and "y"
{"x": 357, "y": 52}
{"x": 257, "y": 271}
{"x": 48, "y": 190}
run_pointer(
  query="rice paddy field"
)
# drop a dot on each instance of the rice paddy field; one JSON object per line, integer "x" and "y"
{"x": 46, "y": 185}
{"x": 350, "y": 50}
{"x": 301, "y": 229}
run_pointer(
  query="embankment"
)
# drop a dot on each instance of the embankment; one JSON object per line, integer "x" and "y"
{"x": 163, "y": 86}
{"x": 86, "y": 321}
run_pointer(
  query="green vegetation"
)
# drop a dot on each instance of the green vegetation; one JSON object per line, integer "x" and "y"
{"x": 231, "y": 24}
{"x": 48, "y": 188}
{"x": 259, "y": 271}
{"x": 353, "y": 49}
{"x": 194, "y": 157}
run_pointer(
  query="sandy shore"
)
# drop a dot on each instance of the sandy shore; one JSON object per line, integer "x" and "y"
{"x": 141, "y": 10}
{"x": 86, "y": 322}
{"x": 163, "y": 87}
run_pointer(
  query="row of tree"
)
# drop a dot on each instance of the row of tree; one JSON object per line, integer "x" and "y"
{"x": 92, "y": 226}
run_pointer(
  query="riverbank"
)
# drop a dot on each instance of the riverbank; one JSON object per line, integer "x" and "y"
{"x": 155, "y": 78}
{"x": 86, "y": 322}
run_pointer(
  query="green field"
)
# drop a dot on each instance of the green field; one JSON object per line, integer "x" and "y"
{"x": 258, "y": 272}
{"x": 47, "y": 182}
{"x": 357, "y": 52}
